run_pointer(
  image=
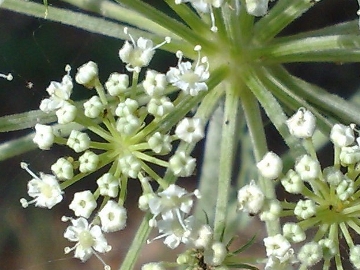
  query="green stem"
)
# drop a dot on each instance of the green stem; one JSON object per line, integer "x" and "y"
{"x": 257, "y": 134}
{"x": 228, "y": 148}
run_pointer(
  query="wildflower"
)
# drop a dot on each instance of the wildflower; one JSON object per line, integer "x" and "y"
{"x": 93, "y": 107}
{"x": 355, "y": 256}
{"x": 257, "y": 7}
{"x": 216, "y": 254}
{"x": 310, "y": 254}
{"x": 87, "y": 74}
{"x": 277, "y": 246}
{"x": 78, "y": 141}
{"x": 190, "y": 130}
{"x": 139, "y": 53}
{"x": 63, "y": 169}
{"x": 66, "y": 114}
{"x": 307, "y": 168}
{"x": 88, "y": 162}
{"x": 89, "y": 239}
{"x": 182, "y": 164}
{"x": 117, "y": 84}
{"x": 204, "y": 237}
{"x": 329, "y": 248}
{"x": 292, "y": 182}
{"x": 159, "y": 107}
{"x": 45, "y": 190}
{"x": 44, "y": 136}
{"x": 130, "y": 166}
{"x": 191, "y": 79}
{"x": 83, "y": 204}
{"x": 250, "y": 198}
{"x": 305, "y": 209}
{"x": 113, "y": 217}
{"x": 302, "y": 124}
{"x": 270, "y": 166}
{"x": 293, "y": 232}
{"x": 160, "y": 143}
{"x": 108, "y": 185}
{"x": 154, "y": 83}
{"x": 342, "y": 135}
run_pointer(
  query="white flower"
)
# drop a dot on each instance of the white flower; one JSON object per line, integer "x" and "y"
{"x": 292, "y": 182}
{"x": 63, "y": 169}
{"x": 44, "y": 136}
{"x": 130, "y": 165}
{"x": 108, "y": 185}
{"x": 250, "y": 198}
{"x": 113, "y": 217}
{"x": 160, "y": 143}
{"x": 305, "y": 209}
{"x": 139, "y": 53}
{"x": 307, "y": 168}
{"x": 257, "y": 7}
{"x": 350, "y": 155}
{"x": 154, "y": 83}
{"x": 302, "y": 124}
{"x": 78, "y": 141}
{"x": 87, "y": 74}
{"x": 355, "y": 256}
{"x": 66, "y": 113}
{"x": 88, "y": 162}
{"x": 174, "y": 230}
{"x": 329, "y": 248}
{"x": 83, "y": 203}
{"x": 342, "y": 135}
{"x": 216, "y": 254}
{"x": 270, "y": 166}
{"x": 310, "y": 254}
{"x": 117, "y": 84}
{"x": 345, "y": 189}
{"x": 333, "y": 176}
{"x": 128, "y": 124}
{"x": 128, "y": 107}
{"x": 190, "y": 130}
{"x": 277, "y": 246}
{"x": 59, "y": 93}
{"x": 293, "y": 232}
{"x": 181, "y": 164}
{"x": 45, "y": 190}
{"x": 89, "y": 239}
{"x": 271, "y": 212}
{"x": 93, "y": 107}
{"x": 190, "y": 78}
{"x": 158, "y": 107}
{"x": 204, "y": 237}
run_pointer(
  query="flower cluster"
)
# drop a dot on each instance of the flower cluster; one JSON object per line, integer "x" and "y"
{"x": 138, "y": 129}
{"x": 328, "y": 200}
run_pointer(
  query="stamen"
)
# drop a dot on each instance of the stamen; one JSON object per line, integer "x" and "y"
{"x": 212, "y": 17}
{"x": 9, "y": 77}
{"x": 167, "y": 40}
{"x": 25, "y": 166}
{"x": 126, "y": 31}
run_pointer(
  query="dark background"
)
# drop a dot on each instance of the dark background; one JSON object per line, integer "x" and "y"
{"x": 36, "y": 51}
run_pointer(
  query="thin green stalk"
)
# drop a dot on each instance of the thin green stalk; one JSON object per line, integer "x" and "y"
{"x": 257, "y": 134}
{"x": 227, "y": 153}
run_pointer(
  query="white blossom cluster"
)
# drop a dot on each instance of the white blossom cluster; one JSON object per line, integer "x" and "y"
{"x": 131, "y": 119}
{"x": 328, "y": 200}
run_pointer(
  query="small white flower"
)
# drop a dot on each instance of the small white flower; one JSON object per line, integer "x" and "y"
{"x": 63, "y": 169}
{"x": 87, "y": 74}
{"x": 329, "y": 248}
{"x": 130, "y": 165}
{"x": 355, "y": 256}
{"x": 270, "y": 166}
{"x": 190, "y": 130}
{"x": 350, "y": 155}
{"x": 293, "y": 232}
{"x": 307, "y": 168}
{"x": 108, "y": 185}
{"x": 59, "y": 93}
{"x": 305, "y": 209}
{"x": 257, "y": 7}
{"x": 44, "y": 136}
{"x": 89, "y": 238}
{"x": 128, "y": 107}
{"x": 93, "y": 107}
{"x": 277, "y": 246}
{"x": 342, "y": 135}
{"x": 128, "y": 124}
{"x": 160, "y": 143}
{"x": 83, "y": 204}
{"x": 139, "y": 53}
{"x": 66, "y": 114}
{"x": 154, "y": 83}
{"x": 45, "y": 190}
{"x": 250, "y": 198}
{"x": 181, "y": 164}
{"x": 271, "y": 211}
{"x": 117, "y": 84}
{"x": 292, "y": 182}
{"x": 345, "y": 189}
{"x": 333, "y": 176}
{"x": 204, "y": 237}
{"x": 88, "y": 162}
{"x": 216, "y": 254}
{"x": 78, "y": 141}
{"x": 310, "y": 254}
{"x": 302, "y": 124}
{"x": 158, "y": 107}
{"x": 113, "y": 217}
{"x": 188, "y": 77}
